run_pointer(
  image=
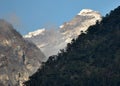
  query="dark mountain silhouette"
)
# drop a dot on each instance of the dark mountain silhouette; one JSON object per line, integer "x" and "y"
{"x": 18, "y": 58}
{"x": 93, "y": 59}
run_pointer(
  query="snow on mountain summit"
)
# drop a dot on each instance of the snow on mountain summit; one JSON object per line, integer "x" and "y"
{"x": 55, "y": 40}
{"x": 80, "y": 22}
{"x": 35, "y": 33}
{"x": 89, "y": 12}
{"x": 85, "y": 11}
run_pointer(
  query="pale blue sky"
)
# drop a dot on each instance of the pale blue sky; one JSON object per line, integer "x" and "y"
{"x": 29, "y": 15}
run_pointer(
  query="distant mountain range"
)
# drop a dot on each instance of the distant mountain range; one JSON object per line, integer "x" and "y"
{"x": 51, "y": 41}
{"x": 18, "y": 58}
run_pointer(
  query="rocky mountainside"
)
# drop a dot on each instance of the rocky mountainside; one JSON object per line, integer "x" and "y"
{"x": 18, "y": 58}
{"x": 79, "y": 23}
{"x": 51, "y": 41}
{"x": 93, "y": 59}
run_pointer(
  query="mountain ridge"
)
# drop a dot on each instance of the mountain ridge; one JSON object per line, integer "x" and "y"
{"x": 90, "y": 60}
{"x": 18, "y": 58}
{"x": 66, "y": 32}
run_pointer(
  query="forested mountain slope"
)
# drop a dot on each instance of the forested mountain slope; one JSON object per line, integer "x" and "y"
{"x": 93, "y": 59}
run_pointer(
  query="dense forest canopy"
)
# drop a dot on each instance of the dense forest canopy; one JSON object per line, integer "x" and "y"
{"x": 93, "y": 59}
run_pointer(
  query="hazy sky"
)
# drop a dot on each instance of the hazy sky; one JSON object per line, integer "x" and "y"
{"x": 29, "y": 15}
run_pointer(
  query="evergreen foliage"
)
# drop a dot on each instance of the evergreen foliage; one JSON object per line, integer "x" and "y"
{"x": 93, "y": 59}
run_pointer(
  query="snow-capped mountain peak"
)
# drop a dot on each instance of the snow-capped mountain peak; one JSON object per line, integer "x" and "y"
{"x": 89, "y": 12}
{"x": 61, "y": 26}
{"x": 86, "y": 11}
{"x": 35, "y": 33}
{"x": 52, "y": 41}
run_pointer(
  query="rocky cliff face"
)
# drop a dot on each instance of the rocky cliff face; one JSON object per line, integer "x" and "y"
{"x": 51, "y": 41}
{"x": 79, "y": 23}
{"x": 18, "y": 58}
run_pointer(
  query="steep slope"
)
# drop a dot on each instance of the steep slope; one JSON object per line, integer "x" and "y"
{"x": 80, "y": 23}
{"x": 93, "y": 59}
{"x": 18, "y": 58}
{"x": 51, "y": 41}
{"x": 46, "y": 40}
